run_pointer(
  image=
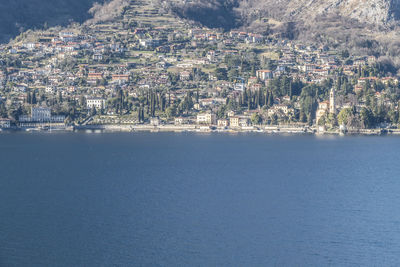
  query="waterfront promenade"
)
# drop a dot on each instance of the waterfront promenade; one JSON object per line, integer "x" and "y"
{"x": 265, "y": 129}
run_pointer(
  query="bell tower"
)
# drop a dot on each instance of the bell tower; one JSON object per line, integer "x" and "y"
{"x": 332, "y": 104}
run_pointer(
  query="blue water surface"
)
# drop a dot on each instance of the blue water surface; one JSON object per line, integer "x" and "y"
{"x": 163, "y": 199}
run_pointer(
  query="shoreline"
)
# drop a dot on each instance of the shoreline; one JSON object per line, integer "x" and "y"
{"x": 268, "y": 130}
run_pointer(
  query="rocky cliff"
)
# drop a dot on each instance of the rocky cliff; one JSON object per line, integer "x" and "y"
{"x": 379, "y": 12}
{"x": 371, "y": 12}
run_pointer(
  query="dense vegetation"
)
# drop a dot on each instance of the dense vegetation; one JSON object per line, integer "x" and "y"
{"x": 19, "y": 15}
{"x": 212, "y": 13}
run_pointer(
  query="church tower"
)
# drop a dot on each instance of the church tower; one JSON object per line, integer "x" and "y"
{"x": 332, "y": 104}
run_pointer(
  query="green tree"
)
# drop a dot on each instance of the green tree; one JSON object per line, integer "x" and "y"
{"x": 170, "y": 111}
{"x": 367, "y": 118}
{"x": 256, "y": 119}
{"x": 345, "y": 54}
{"x": 3, "y": 110}
{"x": 221, "y": 74}
{"x": 344, "y": 116}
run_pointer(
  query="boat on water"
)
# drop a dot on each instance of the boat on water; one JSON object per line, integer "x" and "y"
{"x": 32, "y": 129}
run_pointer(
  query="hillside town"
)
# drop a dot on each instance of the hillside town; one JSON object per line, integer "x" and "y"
{"x": 149, "y": 70}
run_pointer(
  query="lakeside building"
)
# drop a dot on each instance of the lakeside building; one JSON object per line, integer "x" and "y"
{"x": 155, "y": 121}
{"x": 223, "y": 123}
{"x": 179, "y": 121}
{"x": 321, "y": 111}
{"x": 5, "y": 123}
{"x": 41, "y": 115}
{"x": 234, "y": 121}
{"x": 239, "y": 121}
{"x": 206, "y": 118}
{"x": 326, "y": 106}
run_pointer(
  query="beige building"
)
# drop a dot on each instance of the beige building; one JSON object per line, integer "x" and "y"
{"x": 323, "y": 107}
{"x": 179, "y": 121}
{"x": 155, "y": 121}
{"x": 223, "y": 123}
{"x": 276, "y": 109}
{"x": 206, "y": 118}
{"x": 264, "y": 74}
{"x": 244, "y": 121}
{"x": 234, "y": 121}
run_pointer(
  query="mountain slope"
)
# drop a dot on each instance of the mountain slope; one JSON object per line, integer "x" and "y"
{"x": 379, "y": 12}
{"x": 361, "y": 24}
{"x": 19, "y": 15}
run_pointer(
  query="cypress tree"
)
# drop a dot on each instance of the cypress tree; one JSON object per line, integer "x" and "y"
{"x": 60, "y": 98}
{"x": 157, "y": 96}
{"x": 33, "y": 98}
{"x": 259, "y": 98}
{"x": 271, "y": 100}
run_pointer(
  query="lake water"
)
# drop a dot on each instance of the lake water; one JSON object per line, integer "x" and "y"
{"x": 198, "y": 200}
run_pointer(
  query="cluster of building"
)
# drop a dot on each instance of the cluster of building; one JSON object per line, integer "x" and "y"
{"x": 138, "y": 55}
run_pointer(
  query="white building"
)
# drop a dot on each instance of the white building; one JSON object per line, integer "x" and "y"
{"x": 155, "y": 121}
{"x": 41, "y": 114}
{"x": 67, "y": 36}
{"x": 148, "y": 43}
{"x": 5, "y": 123}
{"x": 264, "y": 74}
{"x": 98, "y": 103}
{"x": 179, "y": 121}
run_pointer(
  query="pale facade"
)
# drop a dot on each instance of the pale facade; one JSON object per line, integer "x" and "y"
{"x": 5, "y": 123}
{"x": 223, "y": 123}
{"x": 322, "y": 109}
{"x": 264, "y": 74}
{"x": 179, "y": 121}
{"x": 98, "y": 103}
{"x": 234, "y": 121}
{"x": 40, "y": 115}
{"x": 207, "y": 118}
